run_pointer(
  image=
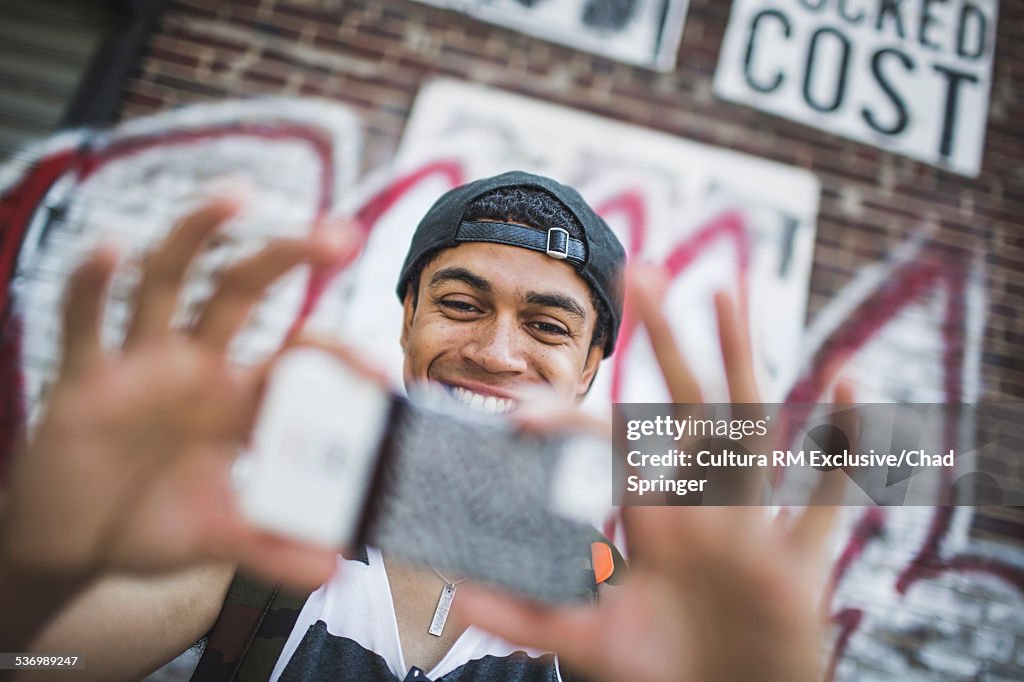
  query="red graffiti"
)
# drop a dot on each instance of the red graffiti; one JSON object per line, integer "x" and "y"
{"x": 870, "y": 526}
{"x": 19, "y": 203}
{"x": 729, "y": 226}
{"x": 848, "y": 621}
{"x": 906, "y": 284}
{"x": 366, "y": 217}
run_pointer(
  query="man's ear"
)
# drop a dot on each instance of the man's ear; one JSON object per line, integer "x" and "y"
{"x": 409, "y": 310}
{"x": 594, "y": 357}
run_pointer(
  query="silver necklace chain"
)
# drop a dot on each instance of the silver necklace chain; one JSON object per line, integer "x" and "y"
{"x": 453, "y": 583}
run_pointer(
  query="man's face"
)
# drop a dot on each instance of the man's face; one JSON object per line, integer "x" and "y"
{"x": 493, "y": 323}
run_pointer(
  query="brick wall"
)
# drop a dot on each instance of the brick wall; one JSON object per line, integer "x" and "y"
{"x": 374, "y": 55}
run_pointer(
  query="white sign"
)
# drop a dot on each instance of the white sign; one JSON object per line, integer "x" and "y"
{"x": 909, "y": 76}
{"x": 641, "y": 32}
{"x": 712, "y": 218}
{"x": 297, "y": 155}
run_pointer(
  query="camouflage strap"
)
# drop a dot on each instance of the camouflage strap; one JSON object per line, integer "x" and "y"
{"x": 250, "y": 632}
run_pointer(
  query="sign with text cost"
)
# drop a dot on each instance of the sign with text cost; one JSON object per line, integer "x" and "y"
{"x": 910, "y": 76}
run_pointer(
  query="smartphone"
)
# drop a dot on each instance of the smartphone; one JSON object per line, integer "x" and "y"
{"x": 339, "y": 461}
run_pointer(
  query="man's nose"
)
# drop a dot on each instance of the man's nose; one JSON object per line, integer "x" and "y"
{"x": 497, "y": 346}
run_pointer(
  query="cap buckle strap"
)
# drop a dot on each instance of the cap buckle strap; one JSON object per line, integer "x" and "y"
{"x": 558, "y": 243}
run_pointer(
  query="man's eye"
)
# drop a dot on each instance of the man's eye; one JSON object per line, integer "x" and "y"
{"x": 459, "y": 306}
{"x": 550, "y": 329}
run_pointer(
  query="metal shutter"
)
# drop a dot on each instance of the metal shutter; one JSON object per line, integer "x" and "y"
{"x": 45, "y": 48}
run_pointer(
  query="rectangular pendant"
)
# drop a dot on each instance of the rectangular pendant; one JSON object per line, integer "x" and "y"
{"x": 444, "y": 605}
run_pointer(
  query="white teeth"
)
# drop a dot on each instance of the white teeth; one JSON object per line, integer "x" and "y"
{"x": 488, "y": 404}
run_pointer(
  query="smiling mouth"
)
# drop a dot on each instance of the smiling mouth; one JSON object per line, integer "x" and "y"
{"x": 487, "y": 404}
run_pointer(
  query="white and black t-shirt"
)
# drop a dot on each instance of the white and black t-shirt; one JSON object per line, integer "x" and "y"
{"x": 347, "y": 630}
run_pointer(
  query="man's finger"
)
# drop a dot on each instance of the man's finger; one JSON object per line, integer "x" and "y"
{"x": 737, "y": 350}
{"x": 844, "y": 393}
{"x": 83, "y": 311}
{"x": 645, "y": 287}
{"x": 812, "y": 527}
{"x": 229, "y": 535}
{"x": 549, "y": 419}
{"x": 351, "y": 356}
{"x": 164, "y": 269}
{"x": 245, "y": 283}
{"x": 809, "y": 531}
{"x": 661, "y": 536}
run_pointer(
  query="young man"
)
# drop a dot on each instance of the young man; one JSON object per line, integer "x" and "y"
{"x": 511, "y": 285}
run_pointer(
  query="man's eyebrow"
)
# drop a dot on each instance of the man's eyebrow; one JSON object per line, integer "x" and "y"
{"x": 561, "y": 301}
{"x": 459, "y": 275}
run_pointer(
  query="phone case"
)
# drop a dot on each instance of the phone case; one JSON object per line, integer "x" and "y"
{"x": 339, "y": 461}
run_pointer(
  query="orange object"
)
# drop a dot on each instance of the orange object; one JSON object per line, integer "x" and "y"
{"x": 604, "y": 564}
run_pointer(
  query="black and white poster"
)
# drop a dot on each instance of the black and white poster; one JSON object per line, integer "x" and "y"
{"x": 640, "y": 32}
{"x": 910, "y": 76}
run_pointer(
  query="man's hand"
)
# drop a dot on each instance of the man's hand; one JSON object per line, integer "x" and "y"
{"x": 129, "y": 467}
{"x": 712, "y": 593}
